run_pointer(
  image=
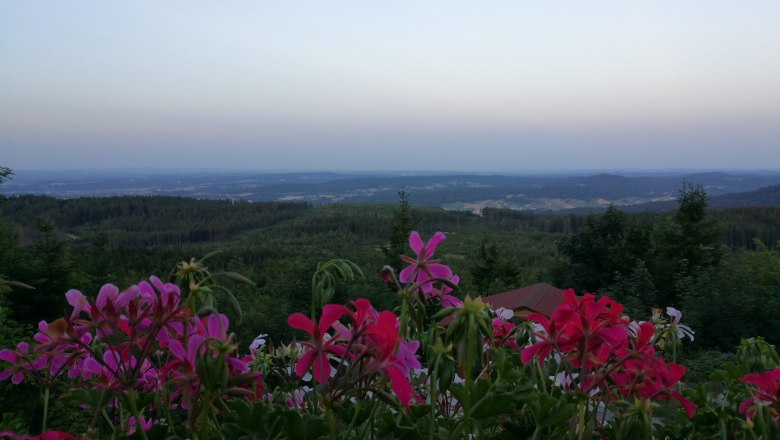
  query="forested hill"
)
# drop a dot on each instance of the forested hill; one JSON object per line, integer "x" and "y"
{"x": 148, "y": 221}
{"x": 456, "y": 192}
{"x": 56, "y": 244}
{"x": 766, "y": 196}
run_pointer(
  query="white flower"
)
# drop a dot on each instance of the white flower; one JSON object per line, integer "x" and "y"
{"x": 537, "y": 328}
{"x": 563, "y": 379}
{"x": 258, "y": 342}
{"x": 633, "y": 327}
{"x": 504, "y": 313}
{"x": 682, "y": 329}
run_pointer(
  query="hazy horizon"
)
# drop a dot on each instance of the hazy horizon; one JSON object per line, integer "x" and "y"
{"x": 353, "y": 86}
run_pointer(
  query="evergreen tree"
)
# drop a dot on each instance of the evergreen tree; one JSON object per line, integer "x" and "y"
{"x": 688, "y": 244}
{"x": 493, "y": 274}
{"x": 607, "y": 246}
{"x": 5, "y": 174}
{"x": 400, "y": 229}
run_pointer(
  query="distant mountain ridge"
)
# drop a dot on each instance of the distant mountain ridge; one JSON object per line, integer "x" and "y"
{"x": 766, "y": 196}
{"x": 457, "y": 192}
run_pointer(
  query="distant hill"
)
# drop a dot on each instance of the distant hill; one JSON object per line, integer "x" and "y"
{"x": 766, "y": 196}
{"x": 460, "y": 192}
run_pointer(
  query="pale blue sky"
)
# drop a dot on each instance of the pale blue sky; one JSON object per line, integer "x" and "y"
{"x": 498, "y": 85}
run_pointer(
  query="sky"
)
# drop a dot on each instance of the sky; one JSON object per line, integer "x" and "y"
{"x": 402, "y": 85}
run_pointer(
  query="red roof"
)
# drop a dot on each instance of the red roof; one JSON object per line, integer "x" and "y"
{"x": 540, "y": 298}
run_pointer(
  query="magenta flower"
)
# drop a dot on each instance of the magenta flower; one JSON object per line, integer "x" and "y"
{"x": 317, "y": 350}
{"x": 146, "y": 424}
{"x": 78, "y": 301}
{"x": 406, "y": 358}
{"x": 16, "y": 359}
{"x": 423, "y": 270}
{"x": 107, "y": 294}
{"x": 766, "y": 389}
{"x": 446, "y": 299}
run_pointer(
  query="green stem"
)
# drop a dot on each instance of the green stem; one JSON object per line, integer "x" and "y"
{"x": 581, "y": 420}
{"x": 108, "y": 420}
{"x": 45, "y": 409}
{"x": 370, "y": 425}
{"x": 404, "y": 318}
{"x": 434, "y": 402}
{"x": 352, "y": 422}
{"x": 165, "y": 404}
{"x": 331, "y": 427}
{"x": 762, "y": 422}
{"x": 542, "y": 379}
{"x": 537, "y": 432}
{"x": 134, "y": 410}
{"x": 471, "y": 334}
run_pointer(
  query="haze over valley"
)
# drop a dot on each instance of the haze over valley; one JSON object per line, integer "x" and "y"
{"x": 462, "y": 192}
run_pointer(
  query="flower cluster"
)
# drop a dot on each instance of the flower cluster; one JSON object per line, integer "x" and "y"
{"x": 367, "y": 347}
{"x": 134, "y": 340}
{"x": 611, "y": 356}
{"x": 145, "y": 361}
{"x": 433, "y": 279}
{"x": 766, "y": 393}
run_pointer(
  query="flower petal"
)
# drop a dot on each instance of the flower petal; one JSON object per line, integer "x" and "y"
{"x": 430, "y": 247}
{"x": 330, "y": 314}
{"x": 299, "y": 321}
{"x": 321, "y": 368}
{"x": 415, "y": 242}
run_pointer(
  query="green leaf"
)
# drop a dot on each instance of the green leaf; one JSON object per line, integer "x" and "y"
{"x": 237, "y": 277}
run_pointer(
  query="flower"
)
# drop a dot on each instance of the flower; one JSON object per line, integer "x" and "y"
{"x": 316, "y": 354}
{"x": 258, "y": 342}
{"x": 423, "y": 270}
{"x": 146, "y": 424}
{"x": 586, "y": 329}
{"x": 444, "y": 296}
{"x": 21, "y": 362}
{"x": 682, "y": 329}
{"x": 78, "y": 301}
{"x": 766, "y": 390}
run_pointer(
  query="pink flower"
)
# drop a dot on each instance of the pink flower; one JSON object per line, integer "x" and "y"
{"x": 444, "y": 296}
{"x": 317, "y": 350}
{"x": 406, "y": 357}
{"x": 78, "y": 301}
{"x": 22, "y": 361}
{"x": 502, "y": 332}
{"x": 382, "y": 341}
{"x": 16, "y": 370}
{"x": 423, "y": 270}
{"x": 146, "y": 424}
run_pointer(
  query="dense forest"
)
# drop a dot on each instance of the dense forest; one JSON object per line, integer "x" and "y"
{"x": 709, "y": 263}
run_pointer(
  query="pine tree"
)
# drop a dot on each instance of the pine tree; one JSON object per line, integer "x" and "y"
{"x": 400, "y": 229}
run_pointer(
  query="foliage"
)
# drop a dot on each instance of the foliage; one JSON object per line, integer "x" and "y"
{"x": 147, "y": 365}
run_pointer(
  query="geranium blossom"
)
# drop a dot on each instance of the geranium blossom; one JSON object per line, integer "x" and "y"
{"x": 766, "y": 391}
{"x": 20, "y": 361}
{"x": 422, "y": 269}
{"x": 316, "y": 354}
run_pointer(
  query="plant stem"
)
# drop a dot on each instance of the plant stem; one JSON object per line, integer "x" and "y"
{"x": 581, "y": 420}
{"x": 434, "y": 401}
{"x": 134, "y": 409}
{"x": 332, "y": 428}
{"x": 404, "y": 318}
{"x": 45, "y": 408}
{"x": 355, "y": 416}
